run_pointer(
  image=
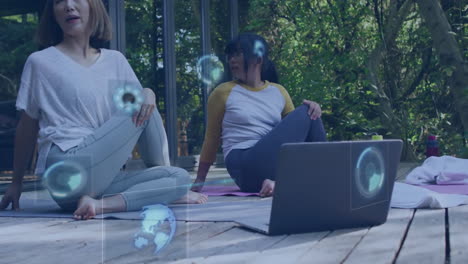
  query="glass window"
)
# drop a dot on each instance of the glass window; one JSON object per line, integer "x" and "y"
{"x": 16, "y": 43}
{"x": 189, "y": 93}
{"x": 144, "y": 50}
{"x": 17, "y": 28}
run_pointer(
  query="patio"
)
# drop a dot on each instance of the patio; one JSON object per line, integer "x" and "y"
{"x": 408, "y": 236}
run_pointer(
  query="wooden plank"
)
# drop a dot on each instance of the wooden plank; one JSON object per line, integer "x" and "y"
{"x": 232, "y": 198}
{"x": 40, "y": 241}
{"x": 60, "y": 238}
{"x": 228, "y": 199}
{"x": 234, "y": 246}
{"x": 11, "y": 226}
{"x": 458, "y": 223}
{"x": 425, "y": 240}
{"x": 289, "y": 249}
{"x": 212, "y": 244}
{"x": 236, "y": 258}
{"x": 83, "y": 240}
{"x": 382, "y": 243}
{"x": 12, "y": 221}
{"x": 119, "y": 247}
{"x": 119, "y": 237}
{"x": 177, "y": 249}
{"x": 236, "y": 240}
{"x": 284, "y": 250}
{"x": 333, "y": 248}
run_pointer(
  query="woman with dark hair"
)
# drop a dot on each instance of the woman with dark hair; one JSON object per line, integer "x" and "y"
{"x": 253, "y": 116}
{"x": 66, "y": 94}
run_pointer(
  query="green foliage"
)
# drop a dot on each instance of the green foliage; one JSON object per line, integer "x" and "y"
{"x": 16, "y": 43}
{"x": 322, "y": 51}
{"x": 322, "y": 48}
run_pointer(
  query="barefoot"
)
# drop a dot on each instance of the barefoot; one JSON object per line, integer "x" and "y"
{"x": 192, "y": 198}
{"x": 87, "y": 208}
{"x": 268, "y": 186}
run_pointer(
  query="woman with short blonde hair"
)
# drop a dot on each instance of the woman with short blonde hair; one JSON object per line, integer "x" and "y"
{"x": 71, "y": 97}
{"x": 49, "y": 32}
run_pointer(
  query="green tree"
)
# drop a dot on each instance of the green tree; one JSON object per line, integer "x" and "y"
{"x": 371, "y": 64}
{"x": 16, "y": 43}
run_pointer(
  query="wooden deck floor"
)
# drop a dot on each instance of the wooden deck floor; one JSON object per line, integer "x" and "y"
{"x": 409, "y": 236}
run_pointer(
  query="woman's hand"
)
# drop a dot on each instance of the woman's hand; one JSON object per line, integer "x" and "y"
{"x": 197, "y": 185}
{"x": 12, "y": 195}
{"x": 314, "y": 109}
{"x": 147, "y": 108}
{"x": 203, "y": 168}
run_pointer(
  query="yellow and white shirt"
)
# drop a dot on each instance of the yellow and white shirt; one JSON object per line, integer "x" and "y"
{"x": 240, "y": 115}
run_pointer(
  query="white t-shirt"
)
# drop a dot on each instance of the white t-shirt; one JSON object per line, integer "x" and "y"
{"x": 70, "y": 100}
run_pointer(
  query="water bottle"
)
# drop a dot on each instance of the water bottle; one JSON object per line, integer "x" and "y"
{"x": 432, "y": 146}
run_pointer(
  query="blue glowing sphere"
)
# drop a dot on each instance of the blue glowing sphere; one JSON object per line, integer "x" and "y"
{"x": 65, "y": 179}
{"x": 370, "y": 172}
{"x": 210, "y": 69}
{"x": 157, "y": 229}
{"x": 128, "y": 99}
{"x": 259, "y": 48}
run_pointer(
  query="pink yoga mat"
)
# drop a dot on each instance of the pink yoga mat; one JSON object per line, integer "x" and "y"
{"x": 212, "y": 190}
{"x": 451, "y": 189}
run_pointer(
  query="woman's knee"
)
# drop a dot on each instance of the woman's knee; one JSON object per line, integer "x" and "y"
{"x": 300, "y": 112}
{"x": 181, "y": 176}
{"x": 155, "y": 161}
{"x": 302, "y": 108}
{"x": 183, "y": 182}
{"x": 317, "y": 131}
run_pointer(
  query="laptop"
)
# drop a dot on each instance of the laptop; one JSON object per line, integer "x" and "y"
{"x": 330, "y": 185}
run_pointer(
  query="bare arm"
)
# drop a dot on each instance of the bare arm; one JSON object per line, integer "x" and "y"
{"x": 203, "y": 168}
{"x": 25, "y": 140}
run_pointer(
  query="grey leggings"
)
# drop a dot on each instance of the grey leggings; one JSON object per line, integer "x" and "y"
{"x": 250, "y": 167}
{"x": 103, "y": 153}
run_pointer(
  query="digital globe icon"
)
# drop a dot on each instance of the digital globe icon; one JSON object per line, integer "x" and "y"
{"x": 157, "y": 229}
{"x": 259, "y": 48}
{"x": 370, "y": 172}
{"x": 128, "y": 99}
{"x": 210, "y": 69}
{"x": 65, "y": 179}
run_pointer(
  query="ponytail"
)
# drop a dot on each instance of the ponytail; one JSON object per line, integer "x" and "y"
{"x": 269, "y": 72}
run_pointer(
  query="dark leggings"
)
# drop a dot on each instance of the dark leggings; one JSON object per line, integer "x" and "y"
{"x": 250, "y": 167}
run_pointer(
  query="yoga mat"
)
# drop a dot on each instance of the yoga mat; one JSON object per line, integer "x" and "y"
{"x": 223, "y": 190}
{"x": 211, "y": 212}
{"x": 451, "y": 189}
{"x": 223, "y": 211}
{"x": 42, "y": 208}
